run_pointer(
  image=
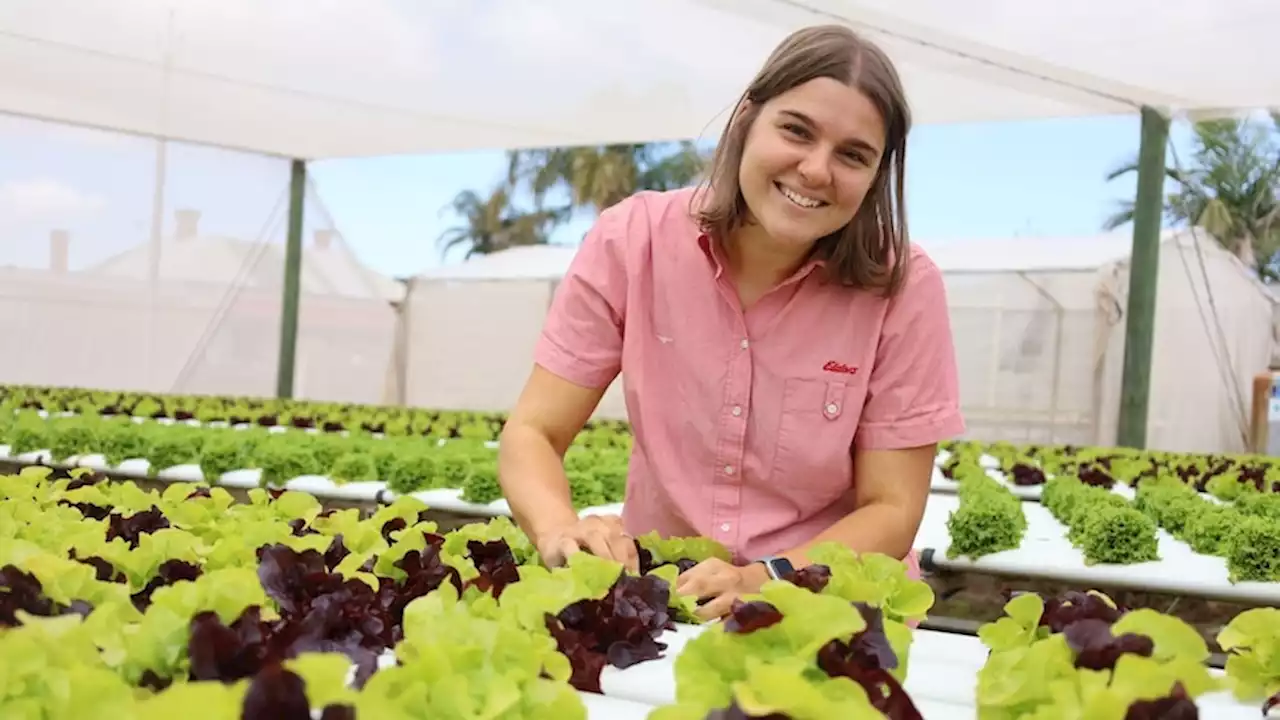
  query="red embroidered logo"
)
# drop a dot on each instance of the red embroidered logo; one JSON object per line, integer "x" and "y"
{"x": 836, "y": 367}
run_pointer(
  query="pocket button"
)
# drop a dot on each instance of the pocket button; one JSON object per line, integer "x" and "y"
{"x": 832, "y": 410}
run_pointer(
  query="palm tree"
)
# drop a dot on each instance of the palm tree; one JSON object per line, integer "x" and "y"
{"x": 1231, "y": 188}
{"x": 490, "y": 224}
{"x": 595, "y": 177}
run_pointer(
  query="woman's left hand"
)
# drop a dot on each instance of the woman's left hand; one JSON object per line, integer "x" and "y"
{"x": 720, "y": 583}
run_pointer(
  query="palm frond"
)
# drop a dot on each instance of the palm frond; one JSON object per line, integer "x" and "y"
{"x": 1230, "y": 185}
{"x": 1122, "y": 216}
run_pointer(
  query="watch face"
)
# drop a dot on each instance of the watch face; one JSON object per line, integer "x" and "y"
{"x": 779, "y": 568}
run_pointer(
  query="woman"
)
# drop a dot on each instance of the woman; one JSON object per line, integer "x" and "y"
{"x": 786, "y": 353}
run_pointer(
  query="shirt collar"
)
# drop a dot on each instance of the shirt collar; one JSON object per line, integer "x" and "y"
{"x": 714, "y": 254}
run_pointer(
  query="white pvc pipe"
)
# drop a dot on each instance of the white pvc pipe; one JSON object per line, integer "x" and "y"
{"x": 1047, "y": 554}
{"x": 447, "y": 500}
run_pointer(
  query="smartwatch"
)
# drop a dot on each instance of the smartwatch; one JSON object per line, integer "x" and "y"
{"x": 777, "y": 567}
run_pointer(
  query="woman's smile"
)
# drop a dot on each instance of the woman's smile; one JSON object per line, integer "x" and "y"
{"x": 799, "y": 199}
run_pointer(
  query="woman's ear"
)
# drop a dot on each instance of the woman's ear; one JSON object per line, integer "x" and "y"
{"x": 740, "y": 112}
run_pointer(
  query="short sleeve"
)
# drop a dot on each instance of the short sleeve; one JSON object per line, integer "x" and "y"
{"x": 581, "y": 340}
{"x": 913, "y": 396}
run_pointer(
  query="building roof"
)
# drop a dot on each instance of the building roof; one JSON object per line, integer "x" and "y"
{"x": 331, "y": 270}
{"x": 526, "y": 262}
{"x": 1042, "y": 254}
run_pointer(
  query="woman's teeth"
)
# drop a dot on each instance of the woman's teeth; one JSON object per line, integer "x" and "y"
{"x": 805, "y": 202}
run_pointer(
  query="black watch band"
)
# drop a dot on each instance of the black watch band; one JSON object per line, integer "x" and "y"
{"x": 777, "y": 567}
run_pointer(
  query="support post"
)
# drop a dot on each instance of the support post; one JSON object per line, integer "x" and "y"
{"x": 292, "y": 281}
{"x": 154, "y": 250}
{"x": 1144, "y": 266}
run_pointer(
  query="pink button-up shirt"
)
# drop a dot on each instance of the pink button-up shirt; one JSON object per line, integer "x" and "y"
{"x": 744, "y": 420}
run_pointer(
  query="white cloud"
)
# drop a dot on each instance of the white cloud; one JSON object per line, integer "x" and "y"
{"x": 48, "y": 198}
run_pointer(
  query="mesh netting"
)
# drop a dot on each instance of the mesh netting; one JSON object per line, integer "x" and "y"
{"x": 133, "y": 263}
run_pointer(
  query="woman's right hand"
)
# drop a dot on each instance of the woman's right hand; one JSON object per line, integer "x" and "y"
{"x": 550, "y": 413}
{"x": 600, "y": 535}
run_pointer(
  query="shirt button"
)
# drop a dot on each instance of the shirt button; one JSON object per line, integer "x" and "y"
{"x": 832, "y": 408}
{"x": 744, "y": 343}
{"x": 728, "y": 469}
{"x": 737, "y": 410}
{"x": 724, "y": 527}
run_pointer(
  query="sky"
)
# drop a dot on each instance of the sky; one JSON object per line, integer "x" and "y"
{"x": 980, "y": 181}
{"x": 975, "y": 181}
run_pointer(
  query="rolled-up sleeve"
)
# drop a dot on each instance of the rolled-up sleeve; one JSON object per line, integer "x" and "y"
{"x": 581, "y": 340}
{"x": 913, "y": 396}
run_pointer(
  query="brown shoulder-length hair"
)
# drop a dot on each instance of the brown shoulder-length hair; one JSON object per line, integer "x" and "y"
{"x": 872, "y": 250}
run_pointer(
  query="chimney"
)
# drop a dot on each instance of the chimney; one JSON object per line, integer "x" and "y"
{"x": 59, "y": 250}
{"x": 322, "y": 239}
{"x": 187, "y": 224}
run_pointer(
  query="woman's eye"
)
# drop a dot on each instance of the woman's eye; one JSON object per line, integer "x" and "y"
{"x": 796, "y": 130}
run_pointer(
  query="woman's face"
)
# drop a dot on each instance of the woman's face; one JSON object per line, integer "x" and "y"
{"x": 809, "y": 159}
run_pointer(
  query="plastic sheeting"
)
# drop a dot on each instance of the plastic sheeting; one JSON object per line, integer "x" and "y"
{"x": 467, "y": 332}
{"x": 329, "y": 78}
{"x": 1040, "y": 339}
{"x": 1038, "y": 326}
{"x": 132, "y": 263}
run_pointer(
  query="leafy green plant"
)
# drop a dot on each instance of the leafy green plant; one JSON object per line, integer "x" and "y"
{"x": 1081, "y": 656}
{"x": 481, "y": 485}
{"x": 1252, "y": 643}
{"x": 1103, "y": 525}
{"x": 790, "y": 652}
{"x": 989, "y": 518}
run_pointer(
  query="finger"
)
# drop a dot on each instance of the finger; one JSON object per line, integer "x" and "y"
{"x": 606, "y": 537}
{"x": 718, "y": 607}
{"x": 564, "y": 548}
{"x": 717, "y": 581}
{"x": 698, "y": 584}
{"x": 688, "y": 581}
{"x": 613, "y": 521}
{"x": 692, "y": 581}
{"x": 696, "y": 574}
{"x": 623, "y": 549}
{"x": 609, "y": 525}
{"x": 596, "y": 542}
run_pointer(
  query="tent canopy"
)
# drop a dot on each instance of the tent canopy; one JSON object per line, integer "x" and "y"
{"x": 332, "y": 78}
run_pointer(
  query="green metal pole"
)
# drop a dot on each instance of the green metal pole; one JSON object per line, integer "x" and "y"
{"x": 292, "y": 281}
{"x": 1144, "y": 266}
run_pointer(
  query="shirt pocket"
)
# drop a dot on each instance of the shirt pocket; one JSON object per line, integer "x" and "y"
{"x": 813, "y": 462}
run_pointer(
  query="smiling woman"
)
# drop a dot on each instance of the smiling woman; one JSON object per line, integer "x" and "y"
{"x": 786, "y": 353}
{"x": 823, "y": 125}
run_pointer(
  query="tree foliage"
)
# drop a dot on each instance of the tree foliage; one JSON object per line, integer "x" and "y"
{"x": 1229, "y": 186}
{"x": 560, "y": 182}
{"x": 490, "y": 223}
